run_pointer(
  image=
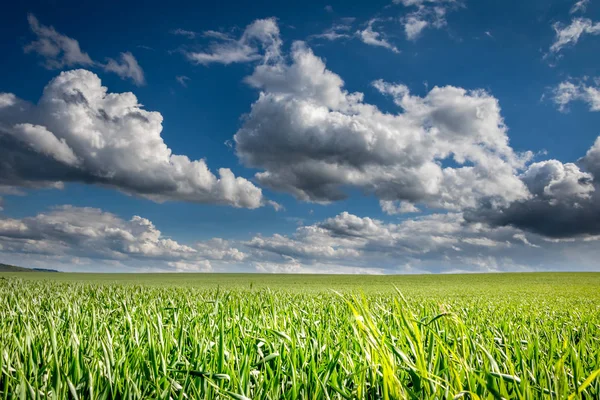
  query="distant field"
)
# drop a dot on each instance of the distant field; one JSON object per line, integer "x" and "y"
{"x": 88, "y": 336}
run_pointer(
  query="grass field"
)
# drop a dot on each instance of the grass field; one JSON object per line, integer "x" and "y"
{"x": 208, "y": 336}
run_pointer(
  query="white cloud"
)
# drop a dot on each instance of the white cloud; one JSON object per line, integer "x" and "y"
{"x": 570, "y": 34}
{"x": 88, "y": 233}
{"x": 7, "y": 100}
{"x": 336, "y": 32}
{"x": 580, "y": 6}
{"x": 373, "y": 38}
{"x": 183, "y": 32}
{"x": 567, "y": 92}
{"x": 564, "y": 200}
{"x": 432, "y": 243}
{"x": 428, "y": 14}
{"x": 73, "y": 238}
{"x": 43, "y": 141}
{"x": 126, "y": 68}
{"x": 183, "y": 80}
{"x": 259, "y": 41}
{"x": 58, "y": 50}
{"x": 413, "y": 26}
{"x": 397, "y": 207}
{"x": 197, "y": 266}
{"x": 558, "y": 181}
{"x": 80, "y": 132}
{"x": 312, "y": 138}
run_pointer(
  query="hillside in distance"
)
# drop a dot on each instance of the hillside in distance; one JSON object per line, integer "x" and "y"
{"x": 13, "y": 268}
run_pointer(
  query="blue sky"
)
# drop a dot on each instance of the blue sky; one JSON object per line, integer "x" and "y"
{"x": 475, "y": 151}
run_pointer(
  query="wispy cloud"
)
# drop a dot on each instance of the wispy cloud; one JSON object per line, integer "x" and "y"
{"x": 59, "y": 51}
{"x": 569, "y": 35}
{"x": 126, "y": 67}
{"x": 580, "y": 6}
{"x": 259, "y": 41}
{"x": 183, "y": 32}
{"x": 183, "y": 80}
{"x": 372, "y": 38}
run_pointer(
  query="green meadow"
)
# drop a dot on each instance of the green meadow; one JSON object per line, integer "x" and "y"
{"x": 248, "y": 336}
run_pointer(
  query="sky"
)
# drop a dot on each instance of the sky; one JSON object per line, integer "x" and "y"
{"x": 380, "y": 137}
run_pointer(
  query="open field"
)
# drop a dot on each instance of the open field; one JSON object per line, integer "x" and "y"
{"x": 88, "y": 336}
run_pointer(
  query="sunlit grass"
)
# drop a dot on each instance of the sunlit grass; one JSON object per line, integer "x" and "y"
{"x": 75, "y": 338}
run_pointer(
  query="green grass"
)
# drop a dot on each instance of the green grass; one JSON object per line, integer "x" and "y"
{"x": 522, "y": 336}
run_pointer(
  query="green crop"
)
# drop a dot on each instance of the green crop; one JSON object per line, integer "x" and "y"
{"x": 514, "y": 336}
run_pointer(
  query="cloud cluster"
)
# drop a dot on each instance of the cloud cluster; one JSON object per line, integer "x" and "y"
{"x": 259, "y": 41}
{"x": 431, "y": 243}
{"x": 79, "y": 132}
{"x": 446, "y": 150}
{"x": 60, "y": 51}
{"x": 68, "y": 232}
{"x": 428, "y": 14}
{"x": 70, "y": 237}
{"x": 312, "y": 138}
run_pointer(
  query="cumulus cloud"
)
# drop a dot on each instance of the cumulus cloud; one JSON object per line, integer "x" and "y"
{"x": 79, "y": 132}
{"x": 564, "y": 201}
{"x": 259, "y": 41}
{"x": 373, "y": 38}
{"x": 66, "y": 232}
{"x": 397, "y": 207}
{"x": 312, "y": 138}
{"x": 126, "y": 68}
{"x": 569, "y": 35}
{"x": 71, "y": 237}
{"x": 432, "y": 243}
{"x": 60, "y": 51}
{"x": 569, "y": 91}
{"x": 428, "y": 14}
{"x": 90, "y": 232}
{"x": 591, "y": 160}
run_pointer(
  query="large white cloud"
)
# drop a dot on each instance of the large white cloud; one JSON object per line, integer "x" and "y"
{"x": 80, "y": 132}
{"x": 313, "y": 138}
